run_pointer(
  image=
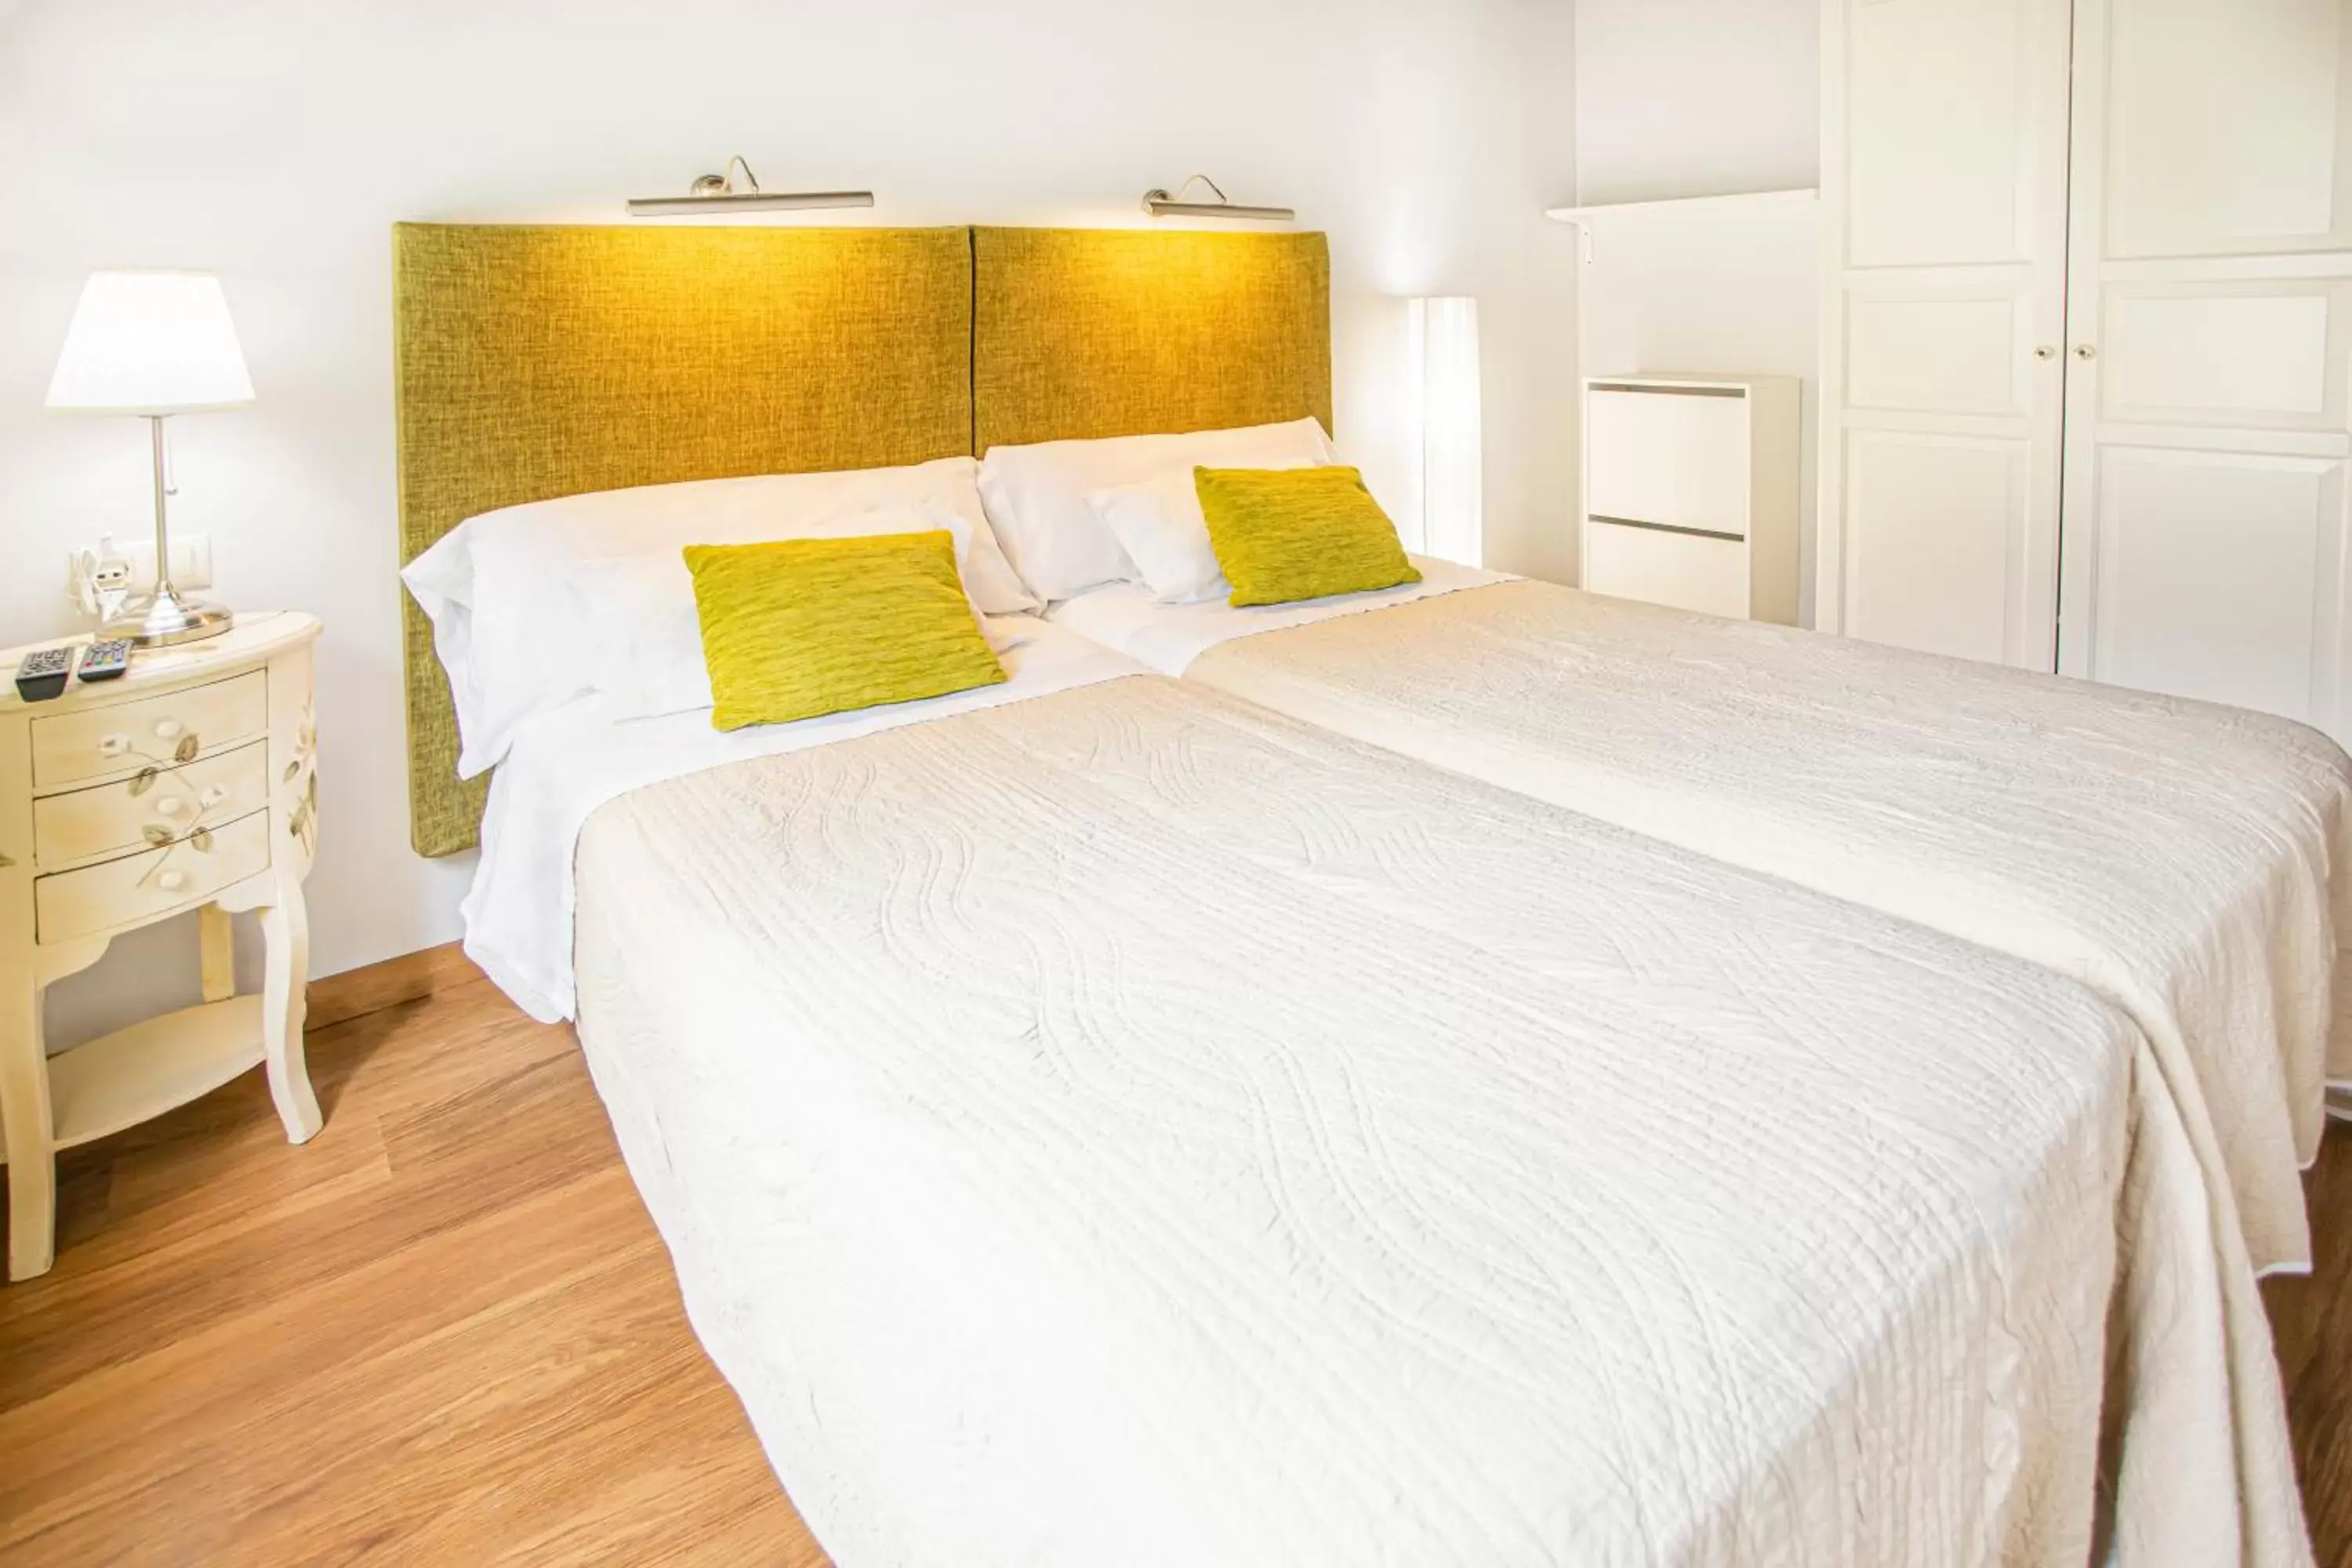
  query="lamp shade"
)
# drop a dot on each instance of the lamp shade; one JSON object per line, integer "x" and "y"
{"x": 150, "y": 342}
{"x": 1442, "y": 338}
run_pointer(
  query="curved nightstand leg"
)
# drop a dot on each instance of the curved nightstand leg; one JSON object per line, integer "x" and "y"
{"x": 285, "y": 933}
{"x": 24, "y": 1113}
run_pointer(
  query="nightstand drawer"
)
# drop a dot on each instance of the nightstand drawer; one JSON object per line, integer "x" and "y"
{"x": 120, "y": 816}
{"x": 149, "y": 884}
{"x": 95, "y": 742}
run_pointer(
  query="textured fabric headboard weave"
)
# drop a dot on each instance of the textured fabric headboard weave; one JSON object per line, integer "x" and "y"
{"x": 1084, "y": 334}
{"x": 534, "y": 362}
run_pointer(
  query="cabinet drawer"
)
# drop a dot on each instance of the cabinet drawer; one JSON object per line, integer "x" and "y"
{"x": 117, "y": 817}
{"x": 150, "y": 883}
{"x": 95, "y": 742}
{"x": 1679, "y": 459}
{"x": 1709, "y": 575}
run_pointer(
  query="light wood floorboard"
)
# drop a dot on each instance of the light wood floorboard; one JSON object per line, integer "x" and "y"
{"x": 446, "y": 1332}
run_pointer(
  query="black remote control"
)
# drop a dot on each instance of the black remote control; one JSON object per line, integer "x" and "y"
{"x": 43, "y": 673}
{"x": 105, "y": 660}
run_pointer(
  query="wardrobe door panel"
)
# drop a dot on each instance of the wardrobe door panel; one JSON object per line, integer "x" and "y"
{"x": 2225, "y": 126}
{"x": 2253, "y": 354}
{"x": 1938, "y": 569}
{"x": 1919, "y": 354}
{"x": 2221, "y": 577}
{"x": 2210, "y": 333}
{"x": 1944, "y": 192}
{"x": 1944, "y": 91}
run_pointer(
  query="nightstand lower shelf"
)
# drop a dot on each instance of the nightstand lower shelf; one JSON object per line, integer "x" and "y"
{"x": 106, "y": 1085}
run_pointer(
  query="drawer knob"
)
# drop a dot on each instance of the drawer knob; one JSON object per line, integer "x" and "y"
{"x": 172, "y": 881}
{"x": 168, "y": 729}
{"x": 113, "y": 745}
{"x": 171, "y": 805}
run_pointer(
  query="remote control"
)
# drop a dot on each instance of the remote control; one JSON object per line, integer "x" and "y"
{"x": 43, "y": 673}
{"x": 105, "y": 660}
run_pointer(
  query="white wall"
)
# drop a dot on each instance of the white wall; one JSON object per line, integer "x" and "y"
{"x": 1685, "y": 98}
{"x": 1688, "y": 97}
{"x": 276, "y": 141}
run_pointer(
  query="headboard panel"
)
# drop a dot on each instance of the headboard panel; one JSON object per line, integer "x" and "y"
{"x": 1083, "y": 333}
{"x": 534, "y": 362}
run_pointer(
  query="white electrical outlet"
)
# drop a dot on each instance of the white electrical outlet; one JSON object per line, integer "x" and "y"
{"x": 98, "y": 576}
{"x": 192, "y": 560}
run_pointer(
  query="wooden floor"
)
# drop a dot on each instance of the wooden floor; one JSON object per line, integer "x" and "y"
{"x": 446, "y": 1332}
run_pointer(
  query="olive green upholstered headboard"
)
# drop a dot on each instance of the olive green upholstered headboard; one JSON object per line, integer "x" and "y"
{"x": 534, "y": 362}
{"x": 541, "y": 360}
{"x": 1083, "y": 333}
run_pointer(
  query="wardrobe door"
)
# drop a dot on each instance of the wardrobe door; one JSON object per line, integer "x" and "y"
{"x": 2209, "y": 331}
{"x": 1945, "y": 200}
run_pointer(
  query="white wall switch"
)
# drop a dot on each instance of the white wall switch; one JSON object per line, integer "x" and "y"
{"x": 192, "y": 560}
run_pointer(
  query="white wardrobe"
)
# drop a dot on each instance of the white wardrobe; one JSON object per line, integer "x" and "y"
{"x": 2088, "y": 325}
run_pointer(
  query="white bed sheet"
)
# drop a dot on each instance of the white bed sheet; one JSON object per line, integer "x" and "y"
{"x": 1169, "y": 638}
{"x": 2191, "y": 863}
{"x": 1132, "y": 1127}
{"x": 562, "y": 767}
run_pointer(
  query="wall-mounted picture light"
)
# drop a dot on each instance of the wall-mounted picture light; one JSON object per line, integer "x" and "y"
{"x": 1163, "y": 203}
{"x": 717, "y": 193}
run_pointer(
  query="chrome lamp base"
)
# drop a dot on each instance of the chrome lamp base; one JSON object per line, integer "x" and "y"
{"x": 162, "y": 618}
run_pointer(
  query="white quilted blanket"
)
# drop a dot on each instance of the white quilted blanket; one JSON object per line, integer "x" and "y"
{"x": 1130, "y": 1127}
{"x": 2190, "y": 862}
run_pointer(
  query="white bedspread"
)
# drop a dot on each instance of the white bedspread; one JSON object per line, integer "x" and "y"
{"x": 1129, "y": 1127}
{"x": 517, "y": 912}
{"x": 2190, "y": 862}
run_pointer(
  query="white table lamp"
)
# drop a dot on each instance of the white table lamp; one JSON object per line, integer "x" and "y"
{"x": 154, "y": 344}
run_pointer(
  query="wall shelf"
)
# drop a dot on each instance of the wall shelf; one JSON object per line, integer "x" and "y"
{"x": 1584, "y": 218}
{"x": 1744, "y": 201}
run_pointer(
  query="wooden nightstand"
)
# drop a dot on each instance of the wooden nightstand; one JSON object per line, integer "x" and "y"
{"x": 189, "y": 784}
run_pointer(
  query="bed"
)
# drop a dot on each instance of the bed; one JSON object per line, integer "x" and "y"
{"x": 2191, "y": 863}
{"x": 1129, "y": 1127}
{"x": 1104, "y": 1120}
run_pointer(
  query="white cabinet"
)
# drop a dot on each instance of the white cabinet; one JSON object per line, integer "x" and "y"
{"x": 2088, "y": 322}
{"x": 1691, "y": 492}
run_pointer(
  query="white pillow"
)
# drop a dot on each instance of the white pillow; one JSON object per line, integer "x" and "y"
{"x": 649, "y": 659}
{"x": 1036, "y": 496}
{"x": 499, "y": 587}
{"x": 1160, "y": 525}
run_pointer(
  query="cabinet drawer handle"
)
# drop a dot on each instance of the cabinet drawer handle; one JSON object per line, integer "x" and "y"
{"x": 168, "y": 729}
{"x": 172, "y": 881}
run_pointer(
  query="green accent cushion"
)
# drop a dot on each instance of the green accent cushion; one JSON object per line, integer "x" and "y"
{"x": 804, "y": 626}
{"x": 1286, "y": 534}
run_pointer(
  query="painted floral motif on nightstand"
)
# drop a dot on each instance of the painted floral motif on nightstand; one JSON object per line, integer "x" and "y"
{"x": 169, "y": 837}
{"x": 303, "y": 821}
